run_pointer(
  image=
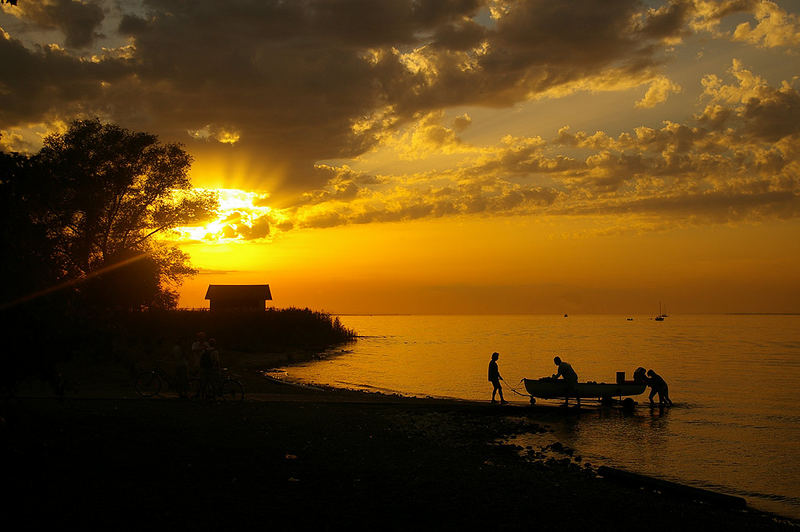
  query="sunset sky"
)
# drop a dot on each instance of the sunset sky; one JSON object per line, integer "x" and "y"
{"x": 450, "y": 156}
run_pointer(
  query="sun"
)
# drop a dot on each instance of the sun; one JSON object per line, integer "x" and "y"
{"x": 242, "y": 215}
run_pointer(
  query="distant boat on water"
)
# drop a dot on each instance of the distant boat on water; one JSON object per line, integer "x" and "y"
{"x": 660, "y": 316}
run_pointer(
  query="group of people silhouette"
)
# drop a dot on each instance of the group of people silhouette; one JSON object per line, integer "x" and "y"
{"x": 652, "y": 379}
{"x": 203, "y": 360}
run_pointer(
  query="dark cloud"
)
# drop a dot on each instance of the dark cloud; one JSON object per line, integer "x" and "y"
{"x": 716, "y": 206}
{"x": 293, "y": 83}
{"x": 284, "y": 85}
{"x": 404, "y": 203}
{"x": 462, "y": 35}
{"x": 79, "y": 21}
{"x": 324, "y": 220}
{"x": 776, "y": 117}
{"x": 367, "y": 23}
{"x": 51, "y": 83}
{"x": 204, "y": 271}
{"x": 668, "y": 21}
{"x": 342, "y": 184}
{"x": 259, "y": 229}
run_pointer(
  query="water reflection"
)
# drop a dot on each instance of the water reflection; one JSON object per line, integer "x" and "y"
{"x": 737, "y": 430}
{"x": 607, "y": 433}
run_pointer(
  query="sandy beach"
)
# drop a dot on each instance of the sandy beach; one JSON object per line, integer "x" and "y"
{"x": 290, "y": 457}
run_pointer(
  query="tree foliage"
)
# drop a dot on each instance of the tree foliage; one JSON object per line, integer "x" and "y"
{"x": 91, "y": 202}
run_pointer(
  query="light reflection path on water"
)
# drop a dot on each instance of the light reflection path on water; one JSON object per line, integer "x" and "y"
{"x": 734, "y": 380}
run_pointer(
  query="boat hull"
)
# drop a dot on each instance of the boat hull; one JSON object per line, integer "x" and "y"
{"x": 554, "y": 389}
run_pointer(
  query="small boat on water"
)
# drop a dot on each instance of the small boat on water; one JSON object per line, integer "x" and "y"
{"x": 660, "y": 316}
{"x": 549, "y": 388}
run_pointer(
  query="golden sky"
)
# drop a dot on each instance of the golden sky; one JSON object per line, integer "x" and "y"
{"x": 460, "y": 156}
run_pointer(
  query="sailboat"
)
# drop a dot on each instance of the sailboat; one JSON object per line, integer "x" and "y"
{"x": 660, "y": 316}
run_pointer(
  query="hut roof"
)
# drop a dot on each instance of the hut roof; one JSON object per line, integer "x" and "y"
{"x": 238, "y": 291}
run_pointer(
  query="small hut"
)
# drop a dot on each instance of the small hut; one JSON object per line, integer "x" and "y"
{"x": 238, "y": 296}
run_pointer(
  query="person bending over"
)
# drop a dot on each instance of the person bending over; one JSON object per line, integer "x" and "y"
{"x": 570, "y": 377}
{"x": 658, "y": 386}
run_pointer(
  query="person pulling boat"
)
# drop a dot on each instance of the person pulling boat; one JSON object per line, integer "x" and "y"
{"x": 495, "y": 378}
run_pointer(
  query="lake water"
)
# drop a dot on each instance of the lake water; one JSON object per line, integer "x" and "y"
{"x": 735, "y": 426}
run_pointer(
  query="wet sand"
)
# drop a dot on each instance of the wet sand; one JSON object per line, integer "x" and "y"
{"x": 291, "y": 457}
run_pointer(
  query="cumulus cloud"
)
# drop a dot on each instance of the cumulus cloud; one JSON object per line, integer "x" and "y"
{"x": 293, "y": 83}
{"x": 771, "y": 26}
{"x": 766, "y": 112}
{"x": 427, "y": 135}
{"x": 703, "y": 171}
{"x": 658, "y": 92}
{"x": 774, "y": 27}
{"x": 343, "y": 185}
{"x": 296, "y": 88}
{"x": 462, "y": 122}
{"x": 744, "y": 168}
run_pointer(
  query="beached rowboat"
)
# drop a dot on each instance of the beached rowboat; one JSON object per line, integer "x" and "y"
{"x": 549, "y": 388}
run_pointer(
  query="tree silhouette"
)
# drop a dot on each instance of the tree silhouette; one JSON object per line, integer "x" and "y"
{"x": 95, "y": 197}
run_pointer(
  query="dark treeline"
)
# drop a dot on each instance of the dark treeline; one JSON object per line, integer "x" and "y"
{"x": 41, "y": 338}
{"x": 249, "y": 331}
{"x": 83, "y": 268}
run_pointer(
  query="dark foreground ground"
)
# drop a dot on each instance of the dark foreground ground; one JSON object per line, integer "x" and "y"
{"x": 296, "y": 459}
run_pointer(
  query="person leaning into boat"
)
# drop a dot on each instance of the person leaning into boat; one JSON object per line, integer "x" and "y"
{"x": 565, "y": 370}
{"x": 570, "y": 377}
{"x": 495, "y": 378}
{"x": 658, "y": 386}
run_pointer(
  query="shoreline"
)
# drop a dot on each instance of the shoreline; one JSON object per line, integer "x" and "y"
{"x": 553, "y": 413}
{"x": 353, "y": 456}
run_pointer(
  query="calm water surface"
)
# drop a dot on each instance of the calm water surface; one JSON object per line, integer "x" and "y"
{"x": 735, "y": 427}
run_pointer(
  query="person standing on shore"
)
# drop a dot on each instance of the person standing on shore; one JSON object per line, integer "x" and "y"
{"x": 495, "y": 378}
{"x": 210, "y": 377}
{"x": 658, "y": 386}
{"x": 199, "y": 346}
{"x": 181, "y": 369}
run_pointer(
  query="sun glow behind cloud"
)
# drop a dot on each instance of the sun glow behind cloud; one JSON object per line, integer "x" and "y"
{"x": 242, "y": 215}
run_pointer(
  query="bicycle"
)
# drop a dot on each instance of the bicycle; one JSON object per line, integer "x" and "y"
{"x": 149, "y": 383}
{"x": 222, "y": 386}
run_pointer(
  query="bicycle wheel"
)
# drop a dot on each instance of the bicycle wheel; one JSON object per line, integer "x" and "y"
{"x": 232, "y": 390}
{"x": 195, "y": 389}
{"x": 148, "y": 383}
